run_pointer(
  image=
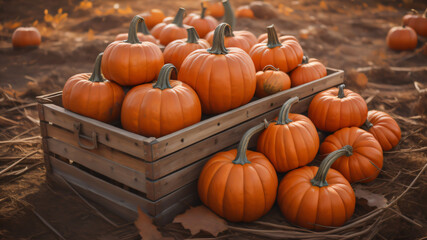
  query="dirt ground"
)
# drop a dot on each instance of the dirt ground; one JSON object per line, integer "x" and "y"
{"x": 347, "y": 35}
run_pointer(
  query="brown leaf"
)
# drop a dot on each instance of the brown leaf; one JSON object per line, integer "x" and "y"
{"x": 374, "y": 199}
{"x": 201, "y": 218}
{"x": 146, "y": 228}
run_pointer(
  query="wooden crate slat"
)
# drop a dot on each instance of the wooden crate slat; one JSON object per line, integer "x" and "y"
{"x": 179, "y": 207}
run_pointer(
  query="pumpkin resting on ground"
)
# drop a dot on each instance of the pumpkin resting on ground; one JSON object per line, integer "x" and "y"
{"x": 167, "y": 32}
{"x": 24, "y": 37}
{"x": 270, "y": 81}
{"x": 384, "y": 128}
{"x": 402, "y": 38}
{"x": 309, "y": 70}
{"x": 244, "y": 12}
{"x": 416, "y": 22}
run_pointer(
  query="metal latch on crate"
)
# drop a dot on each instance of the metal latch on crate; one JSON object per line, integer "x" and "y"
{"x": 93, "y": 139}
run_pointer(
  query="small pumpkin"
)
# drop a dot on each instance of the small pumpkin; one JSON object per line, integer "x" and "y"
{"x": 317, "y": 197}
{"x": 132, "y": 62}
{"x": 337, "y": 108}
{"x": 244, "y": 12}
{"x": 402, "y": 38}
{"x": 157, "y": 109}
{"x": 290, "y": 142}
{"x": 203, "y": 24}
{"x": 178, "y": 50}
{"x": 309, "y": 70}
{"x": 153, "y": 17}
{"x": 271, "y": 80}
{"x": 416, "y": 22}
{"x": 167, "y": 32}
{"x": 365, "y": 163}
{"x": 24, "y": 37}
{"x": 93, "y": 96}
{"x": 143, "y": 34}
{"x": 384, "y": 128}
{"x": 286, "y": 56}
{"x": 214, "y": 8}
{"x": 239, "y": 185}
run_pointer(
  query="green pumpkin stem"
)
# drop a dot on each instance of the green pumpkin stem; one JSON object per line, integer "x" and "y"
{"x": 305, "y": 59}
{"x": 142, "y": 28}
{"x": 164, "y": 77}
{"x": 273, "y": 40}
{"x": 133, "y": 29}
{"x": 284, "y": 111}
{"x": 320, "y": 179}
{"x": 241, "y": 157}
{"x": 192, "y": 36}
{"x": 229, "y": 16}
{"x": 341, "y": 91}
{"x": 202, "y": 15}
{"x": 218, "y": 46}
{"x": 96, "y": 74}
{"x": 179, "y": 17}
{"x": 269, "y": 67}
{"x": 367, "y": 125}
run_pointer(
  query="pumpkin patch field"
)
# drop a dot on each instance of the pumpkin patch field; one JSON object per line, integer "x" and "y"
{"x": 228, "y": 119}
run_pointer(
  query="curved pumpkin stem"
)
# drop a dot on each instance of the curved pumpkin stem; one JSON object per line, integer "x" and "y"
{"x": 192, "y": 36}
{"x": 367, "y": 125}
{"x": 229, "y": 17}
{"x": 96, "y": 74}
{"x": 320, "y": 179}
{"x": 284, "y": 111}
{"x": 341, "y": 91}
{"x": 273, "y": 40}
{"x": 241, "y": 157}
{"x": 218, "y": 46}
{"x": 270, "y": 67}
{"x": 133, "y": 29}
{"x": 202, "y": 15}
{"x": 164, "y": 77}
{"x": 142, "y": 28}
{"x": 179, "y": 17}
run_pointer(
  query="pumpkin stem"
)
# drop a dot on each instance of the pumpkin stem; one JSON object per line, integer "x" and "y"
{"x": 218, "y": 39}
{"x": 273, "y": 40}
{"x": 164, "y": 77}
{"x": 270, "y": 67}
{"x": 229, "y": 17}
{"x": 179, "y": 17}
{"x": 192, "y": 36}
{"x": 284, "y": 111}
{"x": 96, "y": 74}
{"x": 320, "y": 179}
{"x": 142, "y": 28}
{"x": 341, "y": 91}
{"x": 413, "y": 11}
{"x": 305, "y": 59}
{"x": 202, "y": 15}
{"x": 367, "y": 125}
{"x": 425, "y": 13}
{"x": 133, "y": 29}
{"x": 241, "y": 157}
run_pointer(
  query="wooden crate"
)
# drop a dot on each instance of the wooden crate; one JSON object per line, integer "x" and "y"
{"x": 122, "y": 170}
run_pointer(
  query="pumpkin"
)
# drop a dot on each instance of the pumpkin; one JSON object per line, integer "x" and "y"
{"x": 93, "y": 96}
{"x": 271, "y": 80}
{"x": 402, "y": 38}
{"x": 290, "y": 142}
{"x": 317, "y": 197}
{"x": 286, "y": 56}
{"x": 24, "y": 37}
{"x": 143, "y": 34}
{"x": 244, "y": 12}
{"x": 168, "y": 20}
{"x": 384, "y": 128}
{"x": 223, "y": 78}
{"x": 215, "y": 9}
{"x": 263, "y": 38}
{"x": 417, "y": 22}
{"x": 367, "y": 160}
{"x": 132, "y": 62}
{"x": 337, "y": 108}
{"x": 157, "y": 109}
{"x": 167, "y": 32}
{"x": 153, "y": 17}
{"x": 309, "y": 70}
{"x": 178, "y": 50}
{"x": 239, "y": 185}
{"x": 203, "y": 24}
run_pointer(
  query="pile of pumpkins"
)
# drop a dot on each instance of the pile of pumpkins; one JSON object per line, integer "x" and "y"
{"x": 242, "y": 185}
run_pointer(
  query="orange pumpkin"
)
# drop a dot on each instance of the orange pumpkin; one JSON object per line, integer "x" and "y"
{"x": 286, "y": 56}
{"x": 132, "y": 62}
{"x": 24, "y": 37}
{"x": 309, "y": 70}
{"x": 365, "y": 163}
{"x": 384, "y": 128}
{"x": 155, "y": 110}
{"x": 223, "y": 78}
{"x": 317, "y": 197}
{"x": 93, "y": 96}
{"x": 167, "y": 32}
{"x": 337, "y": 108}
{"x": 290, "y": 142}
{"x": 168, "y": 20}
{"x": 239, "y": 185}
{"x": 244, "y": 12}
{"x": 271, "y": 80}
{"x": 215, "y": 9}
{"x": 143, "y": 34}
{"x": 178, "y": 50}
{"x": 417, "y": 22}
{"x": 402, "y": 38}
{"x": 153, "y": 17}
{"x": 203, "y": 24}
{"x": 282, "y": 39}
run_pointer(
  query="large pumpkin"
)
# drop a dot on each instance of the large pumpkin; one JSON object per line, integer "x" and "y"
{"x": 143, "y": 34}
{"x": 203, "y": 24}
{"x": 384, "y": 128}
{"x": 270, "y": 81}
{"x": 167, "y": 32}
{"x": 155, "y": 110}
{"x": 337, "y": 108}
{"x": 24, "y": 37}
{"x": 132, "y": 62}
{"x": 402, "y": 38}
{"x": 239, "y": 185}
{"x": 290, "y": 142}
{"x": 310, "y": 69}
{"x": 93, "y": 96}
{"x": 416, "y": 22}
{"x": 286, "y": 56}
{"x": 153, "y": 17}
{"x": 317, "y": 197}
{"x": 224, "y": 78}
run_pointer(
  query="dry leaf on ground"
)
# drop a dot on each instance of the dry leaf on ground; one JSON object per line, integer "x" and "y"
{"x": 146, "y": 228}
{"x": 374, "y": 199}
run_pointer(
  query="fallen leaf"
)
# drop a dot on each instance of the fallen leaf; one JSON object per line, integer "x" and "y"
{"x": 146, "y": 228}
{"x": 201, "y": 218}
{"x": 374, "y": 199}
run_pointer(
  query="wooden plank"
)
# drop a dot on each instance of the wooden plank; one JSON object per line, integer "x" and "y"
{"x": 182, "y": 204}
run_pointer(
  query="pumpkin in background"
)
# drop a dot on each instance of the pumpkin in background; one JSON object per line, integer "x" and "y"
{"x": 244, "y": 12}
{"x": 283, "y": 38}
{"x": 317, "y": 197}
{"x": 337, "y": 108}
{"x": 167, "y": 32}
{"x": 203, "y": 24}
{"x": 224, "y": 78}
{"x": 239, "y": 185}
{"x": 384, "y": 128}
{"x": 214, "y": 8}
{"x": 178, "y": 50}
{"x": 132, "y": 62}
{"x": 271, "y": 80}
{"x": 157, "y": 109}
{"x": 416, "y": 22}
{"x": 93, "y": 96}
{"x": 143, "y": 34}
{"x": 153, "y": 17}
{"x": 402, "y": 38}
{"x": 24, "y": 37}
{"x": 365, "y": 163}
{"x": 168, "y": 20}
{"x": 286, "y": 56}
{"x": 290, "y": 142}
{"x": 310, "y": 69}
